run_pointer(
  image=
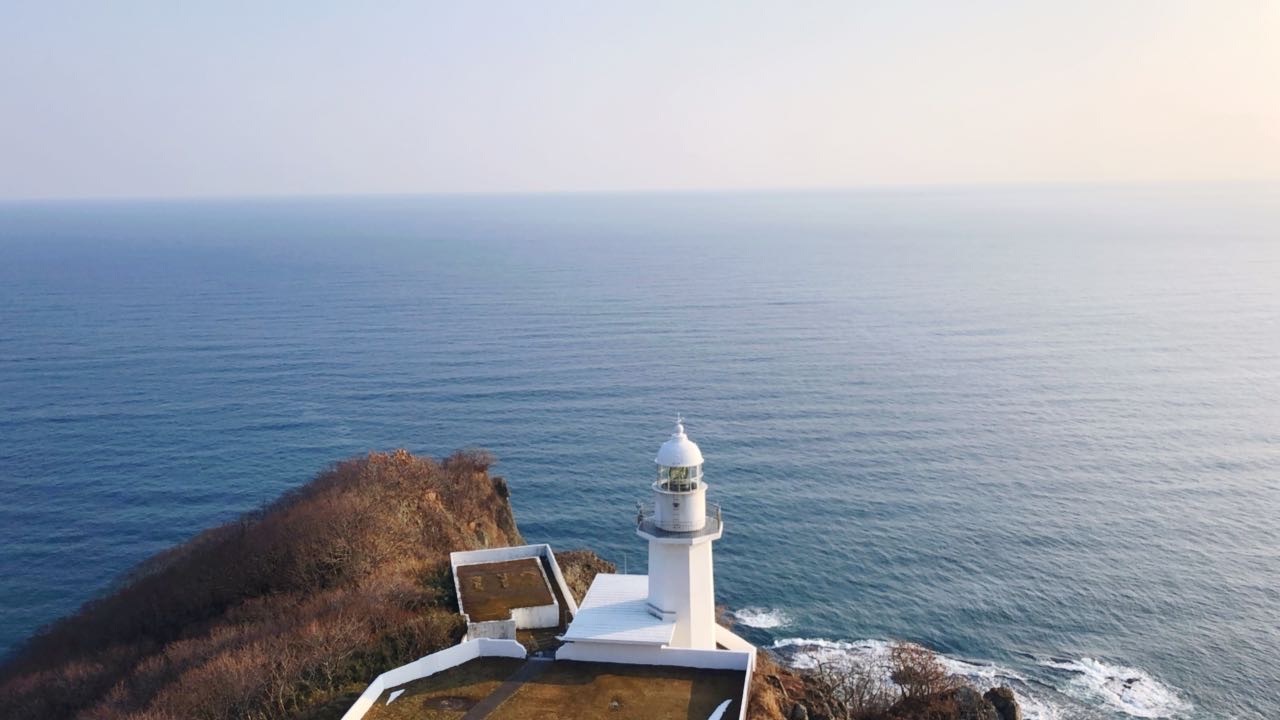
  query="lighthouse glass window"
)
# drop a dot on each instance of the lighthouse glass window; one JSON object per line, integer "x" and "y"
{"x": 679, "y": 479}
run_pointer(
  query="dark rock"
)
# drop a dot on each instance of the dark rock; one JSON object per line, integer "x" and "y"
{"x": 798, "y": 712}
{"x": 501, "y": 488}
{"x": 1005, "y": 703}
{"x": 972, "y": 706}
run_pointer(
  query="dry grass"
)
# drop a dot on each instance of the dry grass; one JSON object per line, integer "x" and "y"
{"x": 279, "y": 614}
{"x": 579, "y": 568}
{"x": 446, "y": 695}
{"x": 588, "y": 691}
{"x": 540, "y": 639}
{"x": 775, "y": 689}
{"x": 490, "y": 591}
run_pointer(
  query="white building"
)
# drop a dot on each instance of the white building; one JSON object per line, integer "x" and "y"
{"x": 634, "y": 618}
{"x": 666, "y": 618}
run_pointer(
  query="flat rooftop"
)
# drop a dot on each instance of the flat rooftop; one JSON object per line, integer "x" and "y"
{"x": 490, "y": 591}
{"x": 614, "y": 611}
{"x": 447, "y": 695}
{"x": 506, "y": 689}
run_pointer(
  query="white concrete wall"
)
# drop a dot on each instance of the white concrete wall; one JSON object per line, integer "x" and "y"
{"x": 680, "y": 511}
{"x": 590, "y": 652}
{"x": 558, "y": 578}
{"x": 542, "y": 616}
{"x": 682, "y": 581}
{"x": 732, "y": 642}
{"x": 430, "y": 665}
{"x": 471, "y": 557}
{"x": 634, "y": 654}
{"x": 492, "y": 629}
{"x": 746, "y": 683}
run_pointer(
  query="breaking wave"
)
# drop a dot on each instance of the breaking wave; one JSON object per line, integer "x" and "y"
{"x": 807, "y": 653}
{"x": 764, "y": 618}
{"x": 1125, "y": 689}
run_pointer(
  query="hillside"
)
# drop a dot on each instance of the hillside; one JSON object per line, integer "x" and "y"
{"x": 285, "y": 613}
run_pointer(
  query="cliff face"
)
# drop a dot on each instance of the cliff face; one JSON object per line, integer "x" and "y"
{"x": 281, "y": 614}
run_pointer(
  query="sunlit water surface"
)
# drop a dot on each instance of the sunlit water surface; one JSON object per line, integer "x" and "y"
{"x": 1038, "y": 431}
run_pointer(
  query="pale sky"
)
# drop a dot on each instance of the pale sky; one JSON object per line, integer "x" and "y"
{"x": 186, "y": 98}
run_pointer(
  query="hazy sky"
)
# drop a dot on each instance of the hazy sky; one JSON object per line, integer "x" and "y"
{"x": 188, "y": 98}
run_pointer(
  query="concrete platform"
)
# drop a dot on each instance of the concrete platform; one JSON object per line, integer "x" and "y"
{"x": 504, "y": 689}
{"x": 490, "y": 591}
{"x": 447, "y": 695}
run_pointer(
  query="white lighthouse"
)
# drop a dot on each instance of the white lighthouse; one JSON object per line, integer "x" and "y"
{"x": 652, "y": 619}
{"x": 680, "y": 531}
{"x": 664, "y": 619}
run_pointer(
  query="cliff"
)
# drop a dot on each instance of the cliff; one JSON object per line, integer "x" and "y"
{"x": 285, "y": 613}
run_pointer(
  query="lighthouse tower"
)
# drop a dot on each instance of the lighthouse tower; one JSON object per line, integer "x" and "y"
{"x": 680, "y": 531}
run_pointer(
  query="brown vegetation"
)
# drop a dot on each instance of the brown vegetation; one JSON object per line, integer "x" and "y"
{"x": 910, "y": 684}
{"x": 447, "y": 695}
{"x": 606, "y": 691}
{"x": 775, "y": 689}
{"x": 579, "y": 568}
{"x": 286, "y": 613}
{"x": 289, "y": 612}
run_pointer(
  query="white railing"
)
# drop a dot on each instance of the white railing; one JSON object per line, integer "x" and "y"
{"x": 430, "y": 665}
{"x": 646, "y": 520}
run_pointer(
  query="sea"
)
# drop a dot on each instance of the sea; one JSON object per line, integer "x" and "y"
{"x": 1036, "y": 429}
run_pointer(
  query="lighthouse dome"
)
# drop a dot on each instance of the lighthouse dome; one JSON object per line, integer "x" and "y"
{"x": 679, "y": 451}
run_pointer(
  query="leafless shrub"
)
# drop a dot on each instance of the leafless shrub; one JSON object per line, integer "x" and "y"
{"x": 853, "y": 689}
{"x": 918, "y": 673}
{"x": 909, "y": 682}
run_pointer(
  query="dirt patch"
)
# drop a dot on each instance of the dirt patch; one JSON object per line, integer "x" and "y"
{"x": 604, "y": 691}
{"x": 448, "y": 703}
{"x": 447, "y": 695}
{"x": 490, "y": 591}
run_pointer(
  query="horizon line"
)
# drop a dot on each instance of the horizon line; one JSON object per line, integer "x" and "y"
{"x": 747, "y": 190}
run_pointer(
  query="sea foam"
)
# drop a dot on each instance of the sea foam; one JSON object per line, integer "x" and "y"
{"x": 764, "y": 618}
{"x": 1126, "y": 689}
{"x": 806, "y": 653}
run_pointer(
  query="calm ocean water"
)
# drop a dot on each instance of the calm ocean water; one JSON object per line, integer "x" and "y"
{"x": 1038, "y": 430}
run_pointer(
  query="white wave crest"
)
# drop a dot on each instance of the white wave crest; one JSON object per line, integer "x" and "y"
{"x": 763, "y": 618}
{"x": 1126, "y": 689}
{"x": 806, "y": 653}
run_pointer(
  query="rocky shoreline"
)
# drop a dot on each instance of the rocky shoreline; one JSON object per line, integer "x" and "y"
{"x": 781, "y": 692}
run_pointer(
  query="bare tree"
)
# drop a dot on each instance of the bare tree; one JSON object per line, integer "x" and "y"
{"x": 852, "y": 689}
{"x": 918, "y": 673}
